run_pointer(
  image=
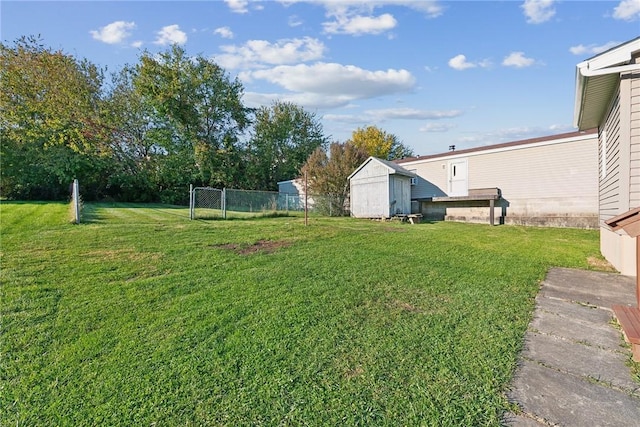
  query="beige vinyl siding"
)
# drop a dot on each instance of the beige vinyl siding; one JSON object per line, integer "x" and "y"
{"x": 540, "y": 179}
{"x": 634, "y": 139}
{"x": 558, "y": 179}
{"x": 611, "y": 198}
{"x": 432, "y": 179}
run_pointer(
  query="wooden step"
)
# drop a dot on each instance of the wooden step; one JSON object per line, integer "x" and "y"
{"x": 629, "y": 319}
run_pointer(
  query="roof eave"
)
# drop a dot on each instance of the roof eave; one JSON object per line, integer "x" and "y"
{"x": 604, "y": 68}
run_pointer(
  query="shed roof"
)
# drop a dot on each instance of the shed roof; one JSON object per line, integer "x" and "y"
{"x": 597, "y": 79}
{"x": 393, "y": 168}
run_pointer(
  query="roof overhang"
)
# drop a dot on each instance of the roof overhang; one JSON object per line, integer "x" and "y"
{"x": 392, "y": 168}
{"x": 597, "y": 79}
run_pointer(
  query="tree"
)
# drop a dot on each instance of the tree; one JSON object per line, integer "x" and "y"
{"x": 327, "y": 175}
{"x": 50, "y": 122}
{"x": 200, "y": 111}
{"x": 285, "y": 135}
{"x": 135, "y": 140}
{"x": 378, "y": 143}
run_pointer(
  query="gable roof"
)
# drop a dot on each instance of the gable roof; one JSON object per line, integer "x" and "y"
{"x": 597, "y": 79}
{"x": 393, "y": 168}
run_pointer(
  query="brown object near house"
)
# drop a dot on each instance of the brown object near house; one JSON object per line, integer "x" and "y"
{"x": 628, "y": 316}
{"x": 476, "y": 194}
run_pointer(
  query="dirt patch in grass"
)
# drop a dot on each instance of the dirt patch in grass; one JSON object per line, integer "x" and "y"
{"x": 355, "y": 372}
{"x": 261, "y": 246}
{"x": 405, "y": 306}
{"x": 600, "y": 264}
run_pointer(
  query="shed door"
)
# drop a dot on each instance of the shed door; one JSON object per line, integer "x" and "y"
{"x": 458, "y": 178}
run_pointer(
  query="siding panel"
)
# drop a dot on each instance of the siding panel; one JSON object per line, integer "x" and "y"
{"x": 634, "y": 141}
{"x": 609, "y": 188}
{"x": 546, "y": 180}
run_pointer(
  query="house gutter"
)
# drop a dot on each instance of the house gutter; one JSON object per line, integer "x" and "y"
{"x": 586, "y": 72}
{"x": 583, "y": 72}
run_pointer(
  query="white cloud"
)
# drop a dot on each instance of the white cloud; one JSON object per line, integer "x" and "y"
{"x": 295, "y": 21}
{"x": 325, "y": 85}
{"x": 224, "y": 32}
{"x": 382, "y": 115}
{"x": 459, "y": 62}
{"x": 171, "y": 34}
{"x": 306, "y": 99}
{"x": 538, "y": 11}
{"x": 592, "y": 49}
{"x": 357, "y": 16}
{"x": 410, "y": 114}
{"x": 518, "y": 60}
{"x": 256, "y": 53}
{"x": 338, "y": 80}
{"x": 431, "y": 8}
{"x": 114, "y": 33}
{"x": 137, "y": 44}
{"x": 627, "y": 10}
{"x": 512, "y": 134}
{"x": 436, "y": 127}
{"x": 357, "y": 25}
{"x": 343, "y": 118}
{"x": 238, "y": 6}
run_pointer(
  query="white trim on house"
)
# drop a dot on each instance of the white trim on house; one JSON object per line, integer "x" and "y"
{"x": 597, "y": 79}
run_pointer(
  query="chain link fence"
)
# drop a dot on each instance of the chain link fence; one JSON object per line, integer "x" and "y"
{"x": 211, "y": 203}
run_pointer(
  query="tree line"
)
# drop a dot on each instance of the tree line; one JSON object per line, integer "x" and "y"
{"x": 147, "y": 131}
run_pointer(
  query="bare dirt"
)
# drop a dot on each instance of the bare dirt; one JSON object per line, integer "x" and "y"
{"x": 261, "y": 246}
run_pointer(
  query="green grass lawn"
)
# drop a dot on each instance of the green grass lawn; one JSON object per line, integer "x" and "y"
{"x": 142, "y": 317}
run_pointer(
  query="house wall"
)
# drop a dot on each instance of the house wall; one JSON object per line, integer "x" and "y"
{"x": 552, "y": 183}
{"x": 619, "y": 167}
{"x": 295, "y": 195}
{"x": 293, "y": 187}
{"x": 370, "y": 191}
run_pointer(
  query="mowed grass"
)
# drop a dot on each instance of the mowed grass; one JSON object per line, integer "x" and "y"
{"x": 142, "y": 317}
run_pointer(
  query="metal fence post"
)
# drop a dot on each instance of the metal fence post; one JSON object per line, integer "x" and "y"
{"x": 76, "y": 201}
{"x": 224, "y": 203}
{"x": 191, "y": 202}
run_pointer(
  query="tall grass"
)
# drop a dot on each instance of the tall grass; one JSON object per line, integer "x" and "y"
{"x": 142, "y": 317}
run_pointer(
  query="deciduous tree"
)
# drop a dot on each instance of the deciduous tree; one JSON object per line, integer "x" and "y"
{"x": 49, "y": 122}
{"x": 327, "y": 175}
{"x": 284, "y": 137}
{"x": 378, "y": 143}
{"x": 200, "y": 107}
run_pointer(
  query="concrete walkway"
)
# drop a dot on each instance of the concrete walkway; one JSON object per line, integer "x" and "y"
{"x": 572, "y": 370}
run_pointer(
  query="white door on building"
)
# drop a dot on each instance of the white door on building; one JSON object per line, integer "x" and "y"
{"x": 458, "y": 178}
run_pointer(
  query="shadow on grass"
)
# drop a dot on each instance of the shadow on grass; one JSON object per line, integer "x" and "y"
{"x": 97, "y": 212}
{"x": 250, "y": 216}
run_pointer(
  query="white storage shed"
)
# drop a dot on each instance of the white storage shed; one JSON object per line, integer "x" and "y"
{"x": 380, "y": 189}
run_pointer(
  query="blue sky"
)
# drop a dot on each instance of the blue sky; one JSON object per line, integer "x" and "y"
{"x": 434, "y": 73}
